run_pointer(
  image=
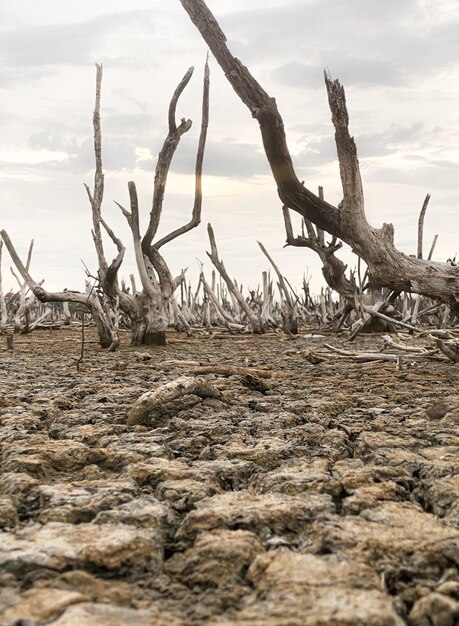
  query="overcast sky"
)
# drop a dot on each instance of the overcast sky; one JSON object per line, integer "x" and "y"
{"x": 399, "y": 63}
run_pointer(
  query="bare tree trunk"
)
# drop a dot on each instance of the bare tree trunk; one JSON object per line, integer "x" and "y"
{"x": 387, "y": 266}
{"x": 267, "y": 307}
{"x": 66, "y": 313}
{"x": 255, "y": 323}
{"x": 289, "y": 313}
{"x": 22, "y": 316}
{"x": 3, "y": 311}
{"x": 421, "y": 225}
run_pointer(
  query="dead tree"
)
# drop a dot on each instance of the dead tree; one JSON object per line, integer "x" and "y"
{"x": 95, "y": 300}
{"x": 254, "y": 321}
{"x": 289, "y": 311}
{"x": 107, "y": 274}
{"x": 333, "y": 269}
{"x": 3, "y": 310}
{"x": 89, "y": 300}
{"x": 149, "y": 310}
{"x": 387, "y": 266}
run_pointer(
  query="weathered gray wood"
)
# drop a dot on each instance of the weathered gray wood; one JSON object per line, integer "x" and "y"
{"x": 102, "y": 321}
{"x": 3, "y": 311}
{"x": 422, "y": 214}
{"x": 185, "y": 385}
{"x": 387, "y": 266}
{"x": 164, "y": 161}
{"x": 289, "y": 312}
{"x": 254, "y": 321}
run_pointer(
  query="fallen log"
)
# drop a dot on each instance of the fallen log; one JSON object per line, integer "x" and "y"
{"x": 185, "y": 385}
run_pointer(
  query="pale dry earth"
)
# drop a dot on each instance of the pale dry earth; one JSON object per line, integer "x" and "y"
{"x": 331, "y": 498}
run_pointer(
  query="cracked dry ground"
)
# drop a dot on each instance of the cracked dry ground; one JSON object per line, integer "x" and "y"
{"x": 330, "y": 499}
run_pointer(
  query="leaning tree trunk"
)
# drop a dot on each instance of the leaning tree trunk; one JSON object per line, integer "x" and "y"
{"x": 387, "y": 266}
{"x": 255, "y": 323}
{"x": 289, "y": 313}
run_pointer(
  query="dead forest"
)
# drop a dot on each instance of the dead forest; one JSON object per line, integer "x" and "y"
{"x": 219, "y": 453}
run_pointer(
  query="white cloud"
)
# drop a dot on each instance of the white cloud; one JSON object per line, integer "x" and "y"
{"x": 399, "y": 62}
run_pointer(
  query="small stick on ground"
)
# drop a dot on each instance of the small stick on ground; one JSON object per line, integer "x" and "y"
{"x": 224, "y": 370}
{"x": 362, "y": 356}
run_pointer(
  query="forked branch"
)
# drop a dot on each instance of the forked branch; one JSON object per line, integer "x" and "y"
{"x": 196, "y": 214}
{"x": 164, "y": 161}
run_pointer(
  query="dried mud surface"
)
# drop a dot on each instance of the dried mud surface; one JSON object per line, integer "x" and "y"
{"x": 329, "y": 498}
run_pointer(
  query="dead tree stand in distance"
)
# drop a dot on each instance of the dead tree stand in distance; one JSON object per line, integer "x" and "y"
{"x": 289, "y": 311}
{"x": 387, "y": 266}
{"x": 3, "y": 310}
{"x": 333, "y": 269}
{"x": 93, "y": 303}
{"x": 254, "y": 321}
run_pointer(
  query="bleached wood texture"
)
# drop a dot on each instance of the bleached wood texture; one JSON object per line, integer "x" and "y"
{"x": 185, "y": 385}
{"x": 387, "y": 266}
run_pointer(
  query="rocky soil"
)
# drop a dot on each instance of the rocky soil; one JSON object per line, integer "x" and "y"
{"x": 326, "y": 494}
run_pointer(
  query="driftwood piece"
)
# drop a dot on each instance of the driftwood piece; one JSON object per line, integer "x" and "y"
{"x": 367, "y": 314}
{"x": 430, "y": 333}
{"x": 183, "y": 386}
{"x": 449, "y": 349}
{"x": 255, "y": 383}
{"x": 226, "y": 370}
{"x": 362, "y": 357}
{"x": 388, "y": 341}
